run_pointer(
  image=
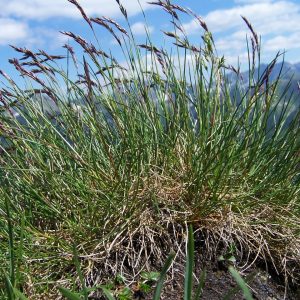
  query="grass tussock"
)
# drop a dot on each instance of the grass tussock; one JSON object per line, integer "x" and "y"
{"x": 119, "y": 159}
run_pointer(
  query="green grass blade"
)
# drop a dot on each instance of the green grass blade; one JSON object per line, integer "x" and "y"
{"x": 241, "y": 283}
{"x": 231, "y": 293}
{"x": 9, "y": 288}
{"x": 11, "y": 244}
{"x": 78, "y": 269}
{"x": 162, "y": 276}
{"x": 188, "y": 278}
{"x": 69, "y": 294}
{"x": 201, "y": 284}
{"x": 20, "y": 295}
{"x": 108, "y": 294}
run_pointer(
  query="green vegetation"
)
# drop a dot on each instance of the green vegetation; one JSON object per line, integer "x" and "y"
{"x": 161, "y": 139}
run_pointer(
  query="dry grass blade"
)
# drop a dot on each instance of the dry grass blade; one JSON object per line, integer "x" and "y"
{"x": 92, "y": 49}
{"x": 200, "y": 20}
{"x": 158, "y": 3}
{"x": 7, "y": 77}
{"x": 118, "y": 26}
{"x": 42, "y": 68}
{"x": 83, "y": 43}
{"x": 33, "y": 62}
{"x": 183, "y": 43}
{"x": 255, "y": 36}
{"x": 102, "y": 22}
{"x": 88, "y": 78}
{"x": 122, "y": 9}
{"x": 162, "y": 62}
{"x": 82, "y": 12}
{"x": 166, "y": 7}
{"x": 160, "y": 55}
{"x": 171, "y": 12}
{"x": 6, "y": 105}
{"x": 268, "y": 71}
{"x": 149, "y": 48}
{"x": 5, "y": 92}
{"x": 233, "y": 69}
{"x": 180, "y": 8}
{"x": 111, "y": 67}
{"x": 50, "y": 57}
{"x": 72, "y": 52}
{"x": 85, "y": 80}
{"x": 24, "y": 72}
{"x": 36, "y": 62}
{"x": 27, "y": 53}
{"x": 178, "y": 27}
{"x": 170, "y": 34}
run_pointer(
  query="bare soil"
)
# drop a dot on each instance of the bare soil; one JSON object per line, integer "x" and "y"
{"x": 219, "y": 284}
{"x": 261, "y": 277}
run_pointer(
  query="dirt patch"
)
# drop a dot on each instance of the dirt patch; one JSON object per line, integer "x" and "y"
{"x": 219, "y": 284}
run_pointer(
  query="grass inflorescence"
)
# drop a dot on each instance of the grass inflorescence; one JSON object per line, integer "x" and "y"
{"x": 118, "y": 160}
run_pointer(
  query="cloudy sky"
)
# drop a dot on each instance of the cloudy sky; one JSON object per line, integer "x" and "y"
{"x": 36, "y": 24}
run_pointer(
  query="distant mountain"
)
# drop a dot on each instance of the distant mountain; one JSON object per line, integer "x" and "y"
{"x": 288, "y": 88}
{"x": 289, "y": 74}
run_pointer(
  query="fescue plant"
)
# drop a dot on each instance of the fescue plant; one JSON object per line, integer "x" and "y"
{"x": 117, "y": 158}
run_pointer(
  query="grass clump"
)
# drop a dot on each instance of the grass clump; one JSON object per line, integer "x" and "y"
{"x": 117, "y": 160}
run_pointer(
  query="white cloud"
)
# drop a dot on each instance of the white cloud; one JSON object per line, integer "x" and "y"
{"x": 138, "y": 28}
{"x": 12, "y": 31}
{"x": 15, "y": 16}
{"x": 19, "y": 33}
{"x": 252, "y": 1}
{"x": 44, "y": 9}
{"x": 39, "y": 38}
{"x": 234, "y": 42}
{"x": 277, "y": 22}
{"x": 265, "y": 17}
{"x": 291, "y": 41}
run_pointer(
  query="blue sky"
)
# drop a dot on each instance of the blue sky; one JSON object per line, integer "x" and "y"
{"x": 35, "y": 24}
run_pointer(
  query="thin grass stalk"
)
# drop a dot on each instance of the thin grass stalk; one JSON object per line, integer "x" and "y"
{"x": 189, "y": 268}
{"x": 12, "y": 265}
{"x": 159, "y": 285}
